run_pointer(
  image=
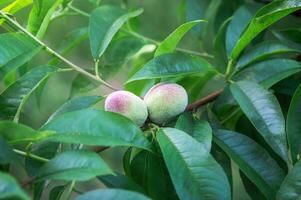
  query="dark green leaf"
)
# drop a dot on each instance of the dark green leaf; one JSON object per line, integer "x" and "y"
{"x": 172, "y": 65}
{"x": 96, "y": 127}
{"x": 111, "y": 194}
{"x": 56, "y": 192}
{"x": 253, "y": 160}
{"x": 7, "y": 155}
{"x": 13, "y": 98}
{"x": 293, "y": 126}
{"x": 9, "y": 188}
{"x": 263, "y": 110}
{"x": 105, "y": 21}
{"x": 290, "y": 189}
{"x": 169, "y": 44}
{"x": 265, "y": 17}
{"x": 290, "y": 36}
{"x": 194, "y": 172}
{"x": 74, "y": 165}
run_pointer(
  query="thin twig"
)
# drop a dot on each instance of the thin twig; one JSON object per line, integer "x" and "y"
{"x": 30, "y": 155}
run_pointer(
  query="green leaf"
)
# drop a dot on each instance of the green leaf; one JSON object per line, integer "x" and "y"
{"x": 269, "y": 72}
{"x": 14, "y": 97}
{"x": 15, "y": 50}
{"x": 105, "y": 21}
{"x": 172, "y": 65}
{"x": 40, "y": 16}
{"x": 80, "y": 165}
{"x": 293, "y": 127}
{"x": 7, "y": 155}
{"x": 290, "y": 188}
{"x": 262, "y": 51}
{"x": 75, "y": 104}
{"x": 9, "y": 188}
{"x": 198, "y": 129}
{"x": 263, "y": 110}
{"x": 111, "y": 194}
{"x": 169, "y": 44}
{"x": 265, "y": 17}
{"x": 194, "y": 172}
{"x": 56, "y": 192}
{"x": 252, "y": 159}
{"x": 96, "y": 127}
{"x": 291, "y": 36}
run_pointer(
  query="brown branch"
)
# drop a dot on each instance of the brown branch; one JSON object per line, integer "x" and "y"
{"x": 204, "y": 100}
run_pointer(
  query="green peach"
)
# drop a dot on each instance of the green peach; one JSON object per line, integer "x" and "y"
{"x": 165, "y": 101}
{"x": 128, "y": 105}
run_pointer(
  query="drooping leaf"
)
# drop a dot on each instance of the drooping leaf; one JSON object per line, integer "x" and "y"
{"x": 14, "y": 97}
{"x": 263, "y": 110}
{"x": 40, "y": 16}
{"x": 7, "y": 155}
{"x": 194, "y": 172}
{"x": 172, "y": 65}
{"x": 105, "y": 22}
{"x": 269, "y": 72}
{"x": 252, "y": 159}
{"x": 75, "y": 104}
{"x": 80, "y": 165}
{"x": 265, "y": 17}
{"x": 9, "y": 188}
{"x": 111, "y": 194}
{"x": 290, "y": 189}
{"x": 96, "y": 127}
{"x": 262, "y": 51}
{"x": 169, "y": 44}
{"x": 198, "y": 129}
{"x": 293, "y": 126}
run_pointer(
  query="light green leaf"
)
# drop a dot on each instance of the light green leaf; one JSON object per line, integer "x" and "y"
{"x": 105, "y": 21}
{"x": 263, "y": 110}
{"x": 96, "y": 127}
{"x": 13, "y": 98}
{"x": 169, "y": 44}
{"x": 293, "y": 127}
{"x": 252, "y": 159}
{"x": 9, "y": 188}
{"x": 290, "y": 189}
{"x": 269, "y": 72}
{"x": 198, "y": 129}
{"x": 16, "y": 6}
{"x": 262, "y": 51}
{"x": 194, "y": 172}
{"x": 80, "y": 165}
{"x": 111, "y": 194}
{"x": 172, "y": 65}
{"x": 265, "y": 17}
{"x": 40, "y": 15}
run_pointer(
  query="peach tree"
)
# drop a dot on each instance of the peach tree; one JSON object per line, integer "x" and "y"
{"x": 211, "y": 111}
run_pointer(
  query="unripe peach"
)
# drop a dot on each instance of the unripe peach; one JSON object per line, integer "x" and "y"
{"x": 128, "y": 105}
{"x": 165, "y": 101}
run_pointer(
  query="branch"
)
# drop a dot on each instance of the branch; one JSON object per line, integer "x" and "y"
{"x": 204, "y": 100}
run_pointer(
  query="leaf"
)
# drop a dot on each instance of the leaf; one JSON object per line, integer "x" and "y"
{"x": 269, "y": 72}
{"x": 7, "y": 155}
{"x": 262, "y": 51}
{"x": 105, "y": 21}
{"x": 194, "y": 172}
{"x": 111, "y": 194}
{"x": 291, "y": 188}
{"x": 265, "y": 17}
{"x": 172, "y": 65}
{"x": 40, "y": 16}
{"x": 96, "y": 127}
{"x": 75, "y": 104}
{"x": 169, "y": 44}
{"x": 56, "y": 192}
{"x": 263, "y": 110}
{"x": 252, "y": 159}
{"x": 15, "y": 50}
{"x": 291, "y": 36}
{"x": 9, "y": 188}
{"x": 80, "y": 165}
{"x": 14, "y": 97}
{"x": 198, "y": 129}
{"x": 293, "y": 126}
